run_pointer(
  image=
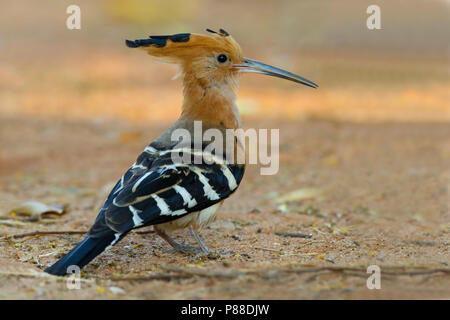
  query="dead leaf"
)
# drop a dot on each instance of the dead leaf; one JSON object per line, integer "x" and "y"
{"x": 38, "y": 209}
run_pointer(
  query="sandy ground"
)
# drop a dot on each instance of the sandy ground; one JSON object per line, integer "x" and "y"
{"x": 383, "y": 201}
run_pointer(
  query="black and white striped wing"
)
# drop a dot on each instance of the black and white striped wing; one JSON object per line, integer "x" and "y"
{"x": 165, "y": 191}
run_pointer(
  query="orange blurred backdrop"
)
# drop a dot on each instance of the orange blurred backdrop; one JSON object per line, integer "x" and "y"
{"x": 398, "y": 73}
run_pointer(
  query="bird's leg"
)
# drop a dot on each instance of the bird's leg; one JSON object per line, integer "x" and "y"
{"x": 197, "y": 237}
{"x": 180, "y": 247}
{"x": 205, "y": 250}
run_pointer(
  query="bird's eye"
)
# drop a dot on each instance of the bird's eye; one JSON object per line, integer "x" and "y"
{"x": 222, "y": 58}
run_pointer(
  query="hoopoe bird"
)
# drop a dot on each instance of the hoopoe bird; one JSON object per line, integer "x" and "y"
{"x": 171, "y": 195}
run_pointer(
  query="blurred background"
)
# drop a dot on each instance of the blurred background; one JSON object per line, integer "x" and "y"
{"x": 400, "y": 72}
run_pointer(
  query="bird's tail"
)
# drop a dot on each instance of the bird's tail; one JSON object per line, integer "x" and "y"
{"x": 82, "y": 254}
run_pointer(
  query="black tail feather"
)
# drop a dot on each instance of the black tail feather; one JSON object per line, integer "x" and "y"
{"x": 82, "y": 254}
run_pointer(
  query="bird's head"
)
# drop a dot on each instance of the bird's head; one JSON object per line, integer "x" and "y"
{"x": 210, "y": 68}
{"x": 211, "y": 60}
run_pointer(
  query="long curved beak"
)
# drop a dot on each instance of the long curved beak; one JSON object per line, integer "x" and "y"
{"x": 250, "y": 65}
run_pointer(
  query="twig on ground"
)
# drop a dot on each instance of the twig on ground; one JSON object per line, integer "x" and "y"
{"x": 40, "y": 233}
{"x": 206, "y": 274}
{"x": 269, "y": 249}
{"x": 356, "y": 271}
{"x": 12, "y": 223}
{"x": 156, "y": 276}
{"x": 293, "y": 234}
{"x": 182, "y": 273}
{"x": 47, "y": 233}
{"x": 27, "y": 219}
{"x": 287, "y": 253}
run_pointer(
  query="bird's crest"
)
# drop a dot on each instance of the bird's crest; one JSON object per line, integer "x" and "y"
{"x": 184, "y": 47}
{"x": 222, "y": 32}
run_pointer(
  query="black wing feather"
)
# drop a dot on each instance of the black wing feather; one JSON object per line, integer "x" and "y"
{"x": 140, "y": 187}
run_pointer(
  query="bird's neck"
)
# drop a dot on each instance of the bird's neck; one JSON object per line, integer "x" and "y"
{"x": 212, "y": 102}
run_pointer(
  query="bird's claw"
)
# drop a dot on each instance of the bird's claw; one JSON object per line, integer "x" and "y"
{"x": 184, "y": 248}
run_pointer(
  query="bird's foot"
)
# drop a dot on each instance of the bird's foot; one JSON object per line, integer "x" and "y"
{"x": 185, "y": 248}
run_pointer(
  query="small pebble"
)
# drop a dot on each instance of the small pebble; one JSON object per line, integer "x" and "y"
{"x": 117, "y": 290}
{"x": 236, "y": 237}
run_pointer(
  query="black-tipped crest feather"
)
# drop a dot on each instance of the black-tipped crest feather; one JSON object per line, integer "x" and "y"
{"x": 221, "y": 32}
{"x": 158, "y": 41}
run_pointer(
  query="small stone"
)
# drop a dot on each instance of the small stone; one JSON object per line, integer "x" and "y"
{"x": 117, "y": 290}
